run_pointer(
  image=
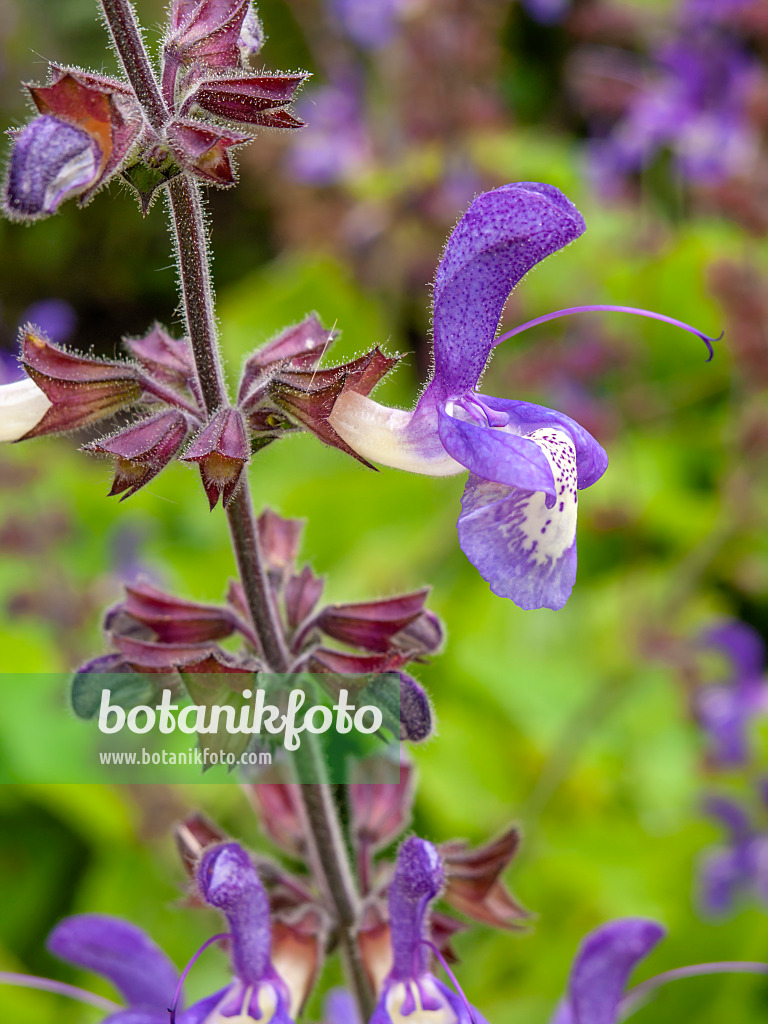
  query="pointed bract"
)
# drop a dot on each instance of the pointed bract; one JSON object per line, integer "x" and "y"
{"x": 169, "y": 359}
{"x": 81, "y": 390}
{"x": 244, "y": 100}
{"x": 380, "y": 811}
{"x": 204, "y": 150}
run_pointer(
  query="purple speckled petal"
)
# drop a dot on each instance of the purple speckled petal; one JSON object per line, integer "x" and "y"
{"x": 602, "y": 967}
{"x": 120, "y": 952}
{"x": 591, "y": 459}
{"x": 498, "y": 529}
{"x": 525, "y": 551}
{"x": 740, "y": 643}
{"x": 503, "y": 234}
{"x": 496, "y": 454}
{"x": 720, "y": 877}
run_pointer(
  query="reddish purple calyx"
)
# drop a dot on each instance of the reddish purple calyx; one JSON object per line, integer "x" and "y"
{"x": 222, "y": 451}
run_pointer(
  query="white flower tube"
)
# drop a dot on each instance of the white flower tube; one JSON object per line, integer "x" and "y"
{"x": 22, "y": 406}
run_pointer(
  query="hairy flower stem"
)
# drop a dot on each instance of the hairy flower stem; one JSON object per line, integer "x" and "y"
{"x": 331, "y": 867}
{"x": 125, "y": 32}
{"x": 328, "y": 851}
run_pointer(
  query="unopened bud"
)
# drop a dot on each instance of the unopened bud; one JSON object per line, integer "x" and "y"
{"x": 51, "y": 161}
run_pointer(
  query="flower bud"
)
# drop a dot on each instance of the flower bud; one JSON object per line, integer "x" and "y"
{"x": 51, "y": 161}
{"x": 221, "y": 450}
{"x": 415, "y": 710}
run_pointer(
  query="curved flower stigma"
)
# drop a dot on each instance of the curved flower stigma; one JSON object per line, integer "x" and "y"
{"x": 451, "y": 977}
{"x": 637, "y": 996}
{"x": 600, "y": 308}
{"x": 191, "y": 963}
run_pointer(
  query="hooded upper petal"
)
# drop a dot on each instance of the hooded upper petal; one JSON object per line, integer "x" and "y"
{"x": 503, "y": 234}
{"x": 122, "y": 953}
{"x": 602, "y": 967}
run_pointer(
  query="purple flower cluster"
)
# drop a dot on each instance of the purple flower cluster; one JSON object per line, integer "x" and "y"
{"x": 227, "y": 879}
{"x": 695, "y": 107}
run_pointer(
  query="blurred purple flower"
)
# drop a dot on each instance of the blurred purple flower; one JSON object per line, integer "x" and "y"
{"x": 697, "y": 12}
{"x": 547, "y": 12}
{"x": 737, "y": 868}
{"x": 56, "y": 319}
{"x": 697, "y": 109}
{"x": 369, "y": 24}
{"x": 334, "y": 145}
{"x": 725, "y": 709}
{"x": 10, "y": 368}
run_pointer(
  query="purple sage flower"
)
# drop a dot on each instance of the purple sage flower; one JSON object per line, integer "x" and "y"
{"x": 410, "y": 988}
{"x": 725, "y": 709}
{"x": 526, "y": 462}
{"x": 606, "y": 958}
{"x": 146, "y": 978}
{"x": 51, "y": 161}
{"x": 697, "y": 108}
{"x": 126, "y": 956}
{"x": 518, "y": 520}
{"x": 228, "y": 880}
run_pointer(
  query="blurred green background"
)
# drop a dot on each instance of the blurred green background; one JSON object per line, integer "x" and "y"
{"x": 567, "y": 723}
